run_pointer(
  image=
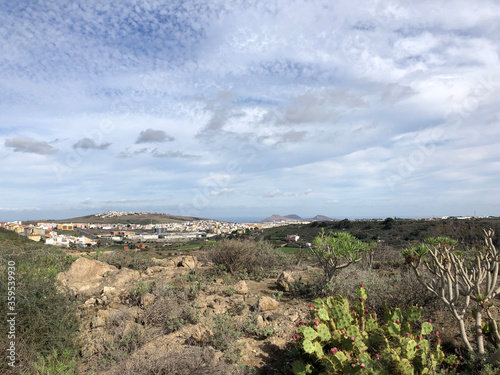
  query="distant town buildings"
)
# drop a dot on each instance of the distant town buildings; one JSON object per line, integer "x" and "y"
{"x": 89, "y": 234}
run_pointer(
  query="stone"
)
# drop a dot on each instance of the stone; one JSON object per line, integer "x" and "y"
{"x": 155, "y": 269}
{"x": 260, "y": 321}
{"x": 267, "y": 304}
{"x": 200, "y": 333}
{"x": 285, "y": 281}
{"x": 188, "y": 262}
{"x": 241, "y": 287}
{"x": 88, "y": 277}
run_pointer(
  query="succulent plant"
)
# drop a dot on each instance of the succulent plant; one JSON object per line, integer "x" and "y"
{"x": 341, "y": 339}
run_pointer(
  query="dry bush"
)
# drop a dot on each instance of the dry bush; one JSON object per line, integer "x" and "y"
{"x": 247, "y": 258}
{"x": 397, "y": 288}
{"x": 185, "y": 361}
{"x": 171, "y": 309}
{"x": 109, "y": 350}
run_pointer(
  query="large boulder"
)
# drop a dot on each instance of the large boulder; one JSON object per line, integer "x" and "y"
{"x": 89, "y": 277}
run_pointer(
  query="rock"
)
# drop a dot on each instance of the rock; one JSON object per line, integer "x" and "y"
{"x": 260, "y": 321}
{"x": 84, "y": 274}
{"x": 88, "y": 277}
{"x": 241, "y": 287}
{"x": 188, "y": 262}
{"x": 155, "y": 269}
{"x": 101, "y": 319}
{"x": 90, "y": 302}
{"x": 285, "y": 281}
{"x": 200, "y": 333}
{"x": 147, "y": 299}
{"x": 267, "y": 304}
{"x": 109, "y": 291}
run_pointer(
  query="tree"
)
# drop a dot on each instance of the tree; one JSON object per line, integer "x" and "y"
{"x": 335, "y": 251}
{"x": 459, "y": 278}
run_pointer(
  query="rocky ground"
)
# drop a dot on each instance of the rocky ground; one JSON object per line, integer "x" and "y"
{"x": 132, "y": 319}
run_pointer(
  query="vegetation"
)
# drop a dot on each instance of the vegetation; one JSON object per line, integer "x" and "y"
{"x": 345, "y": 339}
{"x": 46, "y": 323}
{"x": 335, "y": 251}
{"x": 459, "y": 278}
{"x": 218, "y": 324}
{"x": 245, "y": 258}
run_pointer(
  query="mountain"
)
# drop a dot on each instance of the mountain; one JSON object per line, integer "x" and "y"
{"x": 142, "y": 218}
{"x": 321, "y": 218}
{"x": 293, "y": 218}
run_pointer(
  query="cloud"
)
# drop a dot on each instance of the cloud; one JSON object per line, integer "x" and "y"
{"x": 30, "y": 147}
{"x": 223, "y": 191}
{"x": 173, "y": 154}
{"x": 90, "y": 144}
{"x": 151, "y": 135}
{"x": 128, "y": 153}
{"x": 278, "y": 193}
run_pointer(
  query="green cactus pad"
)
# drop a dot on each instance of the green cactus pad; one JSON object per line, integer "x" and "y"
{"x": 309, "y": 333}
{"x": 308, "y": 346}
{"x": 371, "y": 324}
{"x": 341, "y": 317}
{"x": 340, "y": 356}
{"x": 323, "y": 314}
{"x": 426, "y": 328}
{"x": 317, "y": 303}
{"x": 361, "y": 293}
{"x": 318, "y": 350}
{"x": 413, "y": 314}
{"x": 404, "y": 367}
{"x": 299, "y": 368}
{"x": 324, "y": 332}
{"x": 353, "y": 331}
{"x": 408, "y": 348}
{"x": 397, "y": 314}
{"x": 394, "y": 329}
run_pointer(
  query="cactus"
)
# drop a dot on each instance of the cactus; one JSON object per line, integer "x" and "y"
{"x": 323, "y": 314}
{"x": 324, "y": 332}
{"x": 347, "y": 342}
{"x": 404, "y": 367}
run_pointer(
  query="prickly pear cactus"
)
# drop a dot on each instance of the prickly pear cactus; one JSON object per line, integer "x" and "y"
{"x": 341, "y": 339}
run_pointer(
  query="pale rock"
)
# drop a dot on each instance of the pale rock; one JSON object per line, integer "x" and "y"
{"x": 241, "y": 287}
{"x": 267, "y": 304}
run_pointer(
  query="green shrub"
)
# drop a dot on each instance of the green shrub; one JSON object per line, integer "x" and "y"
{"x": 343, "y": 338}
{"x": 46, "y": 320}
{"x": 247, "y": 259}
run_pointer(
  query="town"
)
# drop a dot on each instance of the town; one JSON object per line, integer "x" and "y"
{"x": 88, "y": 234}
{"x": 91, "y": 234}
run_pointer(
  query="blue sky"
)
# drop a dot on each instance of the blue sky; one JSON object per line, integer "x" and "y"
{"x": 243, "y": 109}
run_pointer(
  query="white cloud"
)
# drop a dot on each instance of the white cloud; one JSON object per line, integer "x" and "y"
{"x": 281, "y": 96}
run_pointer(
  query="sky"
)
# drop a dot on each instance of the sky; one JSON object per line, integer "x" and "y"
{"x": 240, "y": 109}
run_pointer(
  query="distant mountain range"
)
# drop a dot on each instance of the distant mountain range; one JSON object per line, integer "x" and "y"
{"x": 293, "y": 218}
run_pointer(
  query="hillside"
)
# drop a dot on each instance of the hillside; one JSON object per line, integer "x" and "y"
{"x": 293, "y": 218}
{"x": 395, "y": 232}
{"x": 137, "y": 218}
